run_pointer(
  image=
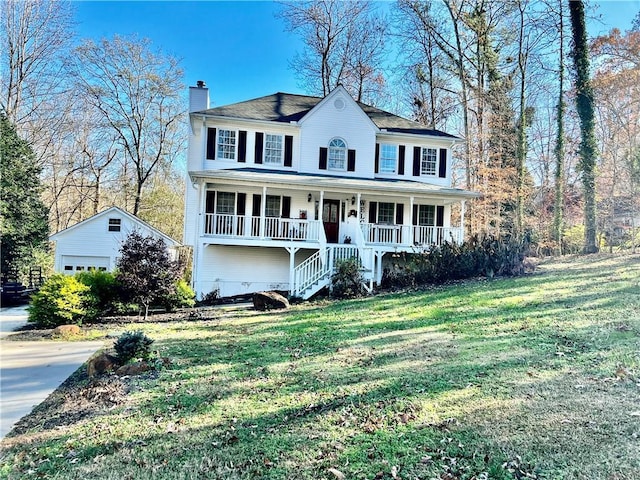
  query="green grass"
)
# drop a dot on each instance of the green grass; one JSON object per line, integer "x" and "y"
{"x": 500, "y": 379}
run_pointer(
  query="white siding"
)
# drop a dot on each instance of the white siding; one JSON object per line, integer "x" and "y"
{"x": 351, "y": 124}
{"x": 93, "y": 239}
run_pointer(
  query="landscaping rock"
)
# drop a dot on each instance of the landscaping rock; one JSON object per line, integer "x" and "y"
{"x": 134, "y": 369}
{"x": 269, "y": 300}
{"x": 100, "y": 364}
{"x": 66, "y": 331}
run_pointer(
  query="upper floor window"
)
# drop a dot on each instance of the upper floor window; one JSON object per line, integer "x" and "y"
{"x": 337, "y": 154}
{"x": 388, "y": 158}
{"x": 226, "y": 147}
{"x": 115, "y": 224}
{"x": 429, "y": 161}
{"x": 273, "y": 149}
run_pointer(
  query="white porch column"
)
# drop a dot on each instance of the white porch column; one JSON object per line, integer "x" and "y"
{"x": 263, "y": 211}
{"x": 412, "y": 221}
{"x": 198, "y": 246}
{"x": 321, "y": 206}
{"x": 462, "y": 211}
{"x": 292, "y": 266}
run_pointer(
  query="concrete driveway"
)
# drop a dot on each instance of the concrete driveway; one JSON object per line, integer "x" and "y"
{"x": 31, "y": 370}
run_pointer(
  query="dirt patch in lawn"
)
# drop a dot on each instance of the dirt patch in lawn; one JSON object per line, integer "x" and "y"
{"x": 78, "y": 398}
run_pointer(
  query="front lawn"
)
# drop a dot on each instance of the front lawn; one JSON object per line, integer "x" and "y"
{"x": 534, "y": 377}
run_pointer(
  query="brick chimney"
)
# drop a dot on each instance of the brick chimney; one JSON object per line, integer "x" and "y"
{"x": 198, "y": 97}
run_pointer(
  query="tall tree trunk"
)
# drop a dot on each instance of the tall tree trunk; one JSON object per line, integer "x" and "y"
{"x": 585, "y": 107}
{"x": 522, "y": 128}
{"x": 558, "y": 205}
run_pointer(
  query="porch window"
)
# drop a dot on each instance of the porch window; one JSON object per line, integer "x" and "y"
{"x": 226, "y": 144}
{"x": 386, "y": 213}
{"x": 388, "y": 158}
{"x": 337, "y": 154}
{"x": 426, "y": 215}
{"x": 226, "y": 202}
{"x": 429, "y": 160}
{"x": 272, "y": 206}
{"x": 273, "y": 149}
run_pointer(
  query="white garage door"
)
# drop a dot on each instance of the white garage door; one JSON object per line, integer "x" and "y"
{"x": 74, "y": 264}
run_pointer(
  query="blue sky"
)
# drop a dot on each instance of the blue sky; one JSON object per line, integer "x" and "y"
{"x": 239, "y": 48}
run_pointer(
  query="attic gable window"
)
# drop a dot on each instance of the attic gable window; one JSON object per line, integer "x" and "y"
{"x": 337, "y": 154}
{"x": 273, "y": 149}
{"x": 429, "y": 161}
{"x": 115, "y": 224}
{"x": 226, "y": 145}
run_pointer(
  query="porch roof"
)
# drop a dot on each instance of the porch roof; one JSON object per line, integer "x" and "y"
{"x": 333, "y": 183}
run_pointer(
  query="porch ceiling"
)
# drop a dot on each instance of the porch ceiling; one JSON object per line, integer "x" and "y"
{"x": 329, "y": 183}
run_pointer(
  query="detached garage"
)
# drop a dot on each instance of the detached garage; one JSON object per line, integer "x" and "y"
{"x": 94, "y": 244}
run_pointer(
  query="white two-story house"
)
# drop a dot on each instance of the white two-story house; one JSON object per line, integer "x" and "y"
{"x": 282, "y": 187}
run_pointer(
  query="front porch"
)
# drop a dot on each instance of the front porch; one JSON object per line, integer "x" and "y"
{"x": 267, "y": 229}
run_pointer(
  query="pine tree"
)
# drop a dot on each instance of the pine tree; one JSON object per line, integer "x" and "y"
{"x": 23, "y": 217}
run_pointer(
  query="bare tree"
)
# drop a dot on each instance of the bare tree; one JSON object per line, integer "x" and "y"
{"x": 35, "y": 37}
{"x": 137, "y": 93}
{"x": 344, "y": 41}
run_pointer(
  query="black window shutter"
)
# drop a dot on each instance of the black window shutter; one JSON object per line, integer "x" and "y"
{"x": 211, "y": 143}
{"x": 373, "y": 212}
{"x": 286, "y": 207}
{"x": 377, "y": 166}
{"x": 288, "y": 150}
{"x": 439, "y": 216}
{"x": 415, "y": 214}
{"x": 259, "y": 147}
{"x": 257, "y": 204}
{"x": 351, "y": 161}
{"x": 442, "y": 171}
{"x": 242, "y": 146}
{"x": 210, "y": 206}
{"x": 322, "y": 162}
{"x": 399, "y": 213}
{"x": 416, "y": 161}
{"x": 401, "y": 160}
{"x": 241, "y": 204}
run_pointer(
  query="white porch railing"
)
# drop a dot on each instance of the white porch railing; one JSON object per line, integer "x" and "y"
{"x": 436, "y": 235}
{"x": 217, "y": 224}
{"x": 410, "y": 235}
{"x": 385, "y": 234}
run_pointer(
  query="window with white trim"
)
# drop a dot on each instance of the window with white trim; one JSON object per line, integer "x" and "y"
{"x": 429, "y": 161}
{"x": 337, "y": 154}
{"x": 386, "y": 213}
{"x": 115, "y": 224}
{"x": 226, "y": 147}
{"x": 226, "y": 203}
{"x": 388, "y": 158}
{"x": 272, "y": 207}
{"x": 273, "y": 149}
{"x": 426, "y": 215}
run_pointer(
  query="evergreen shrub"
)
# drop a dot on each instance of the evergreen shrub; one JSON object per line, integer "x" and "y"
{"x": 182, "y": 297}
{"x": 132, "y": 345}
{"x": 61, "y": 300}
{"x": 347, "y": 281}
{"x": 478, "y": 256}
{"x": 103, "y": 292}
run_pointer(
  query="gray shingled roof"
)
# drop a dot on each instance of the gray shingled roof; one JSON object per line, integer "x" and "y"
{"x": 288, "y": 107}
